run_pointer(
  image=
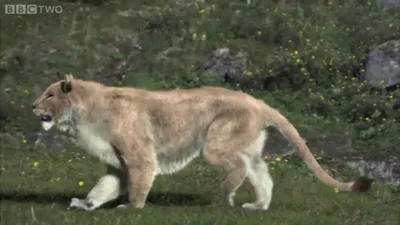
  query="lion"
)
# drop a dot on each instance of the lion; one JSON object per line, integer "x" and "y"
{"x": 140, "y": 134}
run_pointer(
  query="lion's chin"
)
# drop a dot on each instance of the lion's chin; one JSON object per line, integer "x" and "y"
{"x": 47, "y": 125}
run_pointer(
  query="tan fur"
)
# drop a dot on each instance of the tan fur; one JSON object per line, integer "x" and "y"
{"x": 141, "y": 134}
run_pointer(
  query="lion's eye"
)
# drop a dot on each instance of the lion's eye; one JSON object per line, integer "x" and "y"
{"x": 50, "y": 95}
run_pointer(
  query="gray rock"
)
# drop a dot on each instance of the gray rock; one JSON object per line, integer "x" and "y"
{"x": 48, "y": 139}
{"x": 389, "y": 3}
{"x": 386, "y": 171}
{"x": 383, "y": 66}
{"x": 228, "y": 67}
{"x": 339, "y": 147}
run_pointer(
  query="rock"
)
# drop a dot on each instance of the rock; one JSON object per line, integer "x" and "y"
{"x": 389, "y": 3}
{"x": 48, "y": 139}
{"x": 387, "y": 171}
{"x": 338, "y": 147}
{"x": 231, "y": 68}
{"x": 334, "y": 144}
{"x": 383, "y": 65}
{"x": 222, "y": 63}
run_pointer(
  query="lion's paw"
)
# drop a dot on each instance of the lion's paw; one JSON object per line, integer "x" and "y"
{"x": 83, "y": 204}
{"x": 254, "y": 206}
{"x": 122, "y": 206}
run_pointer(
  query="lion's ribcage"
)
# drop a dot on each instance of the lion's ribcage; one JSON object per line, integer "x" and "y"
{"x": 173, "y": 160}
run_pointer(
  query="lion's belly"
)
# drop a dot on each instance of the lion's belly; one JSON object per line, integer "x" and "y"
{"x": 98, "y": 147}
{"x": 171, "y": 160}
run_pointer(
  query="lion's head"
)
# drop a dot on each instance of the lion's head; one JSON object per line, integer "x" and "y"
{"x": 53, "y": 103}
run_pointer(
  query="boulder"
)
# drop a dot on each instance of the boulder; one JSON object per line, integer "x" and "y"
{"x": 383, "y": 65}
{"x": 232, "y": 68}
{"x": 389, "y": 3}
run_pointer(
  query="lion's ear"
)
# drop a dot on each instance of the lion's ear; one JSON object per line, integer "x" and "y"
{"x": 66, "y": 85}
{"x": 69, "y": 78}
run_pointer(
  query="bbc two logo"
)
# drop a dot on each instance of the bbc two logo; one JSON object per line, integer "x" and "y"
{"x": 31, "y": 9}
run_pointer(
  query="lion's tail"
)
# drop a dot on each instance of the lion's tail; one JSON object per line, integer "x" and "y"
{"x": 277, "y": 120}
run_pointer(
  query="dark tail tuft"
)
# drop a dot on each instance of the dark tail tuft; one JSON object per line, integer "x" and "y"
{"x": 362, "y": 184}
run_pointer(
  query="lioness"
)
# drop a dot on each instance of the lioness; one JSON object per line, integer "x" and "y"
{"x": 140, "y": 134}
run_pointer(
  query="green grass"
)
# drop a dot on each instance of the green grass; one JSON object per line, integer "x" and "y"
{"x": 40, "y": 195}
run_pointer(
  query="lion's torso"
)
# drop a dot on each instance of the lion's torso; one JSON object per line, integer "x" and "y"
{"x": 176, "y": 121}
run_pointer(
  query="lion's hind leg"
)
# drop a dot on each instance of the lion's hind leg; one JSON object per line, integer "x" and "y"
{"x": 241, "y": 164}
{"x": 258, "y": 174}
{"x": 236, "y": 169}
{"x": 227, "y": 145}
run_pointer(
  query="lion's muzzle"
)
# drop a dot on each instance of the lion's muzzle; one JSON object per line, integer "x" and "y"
{"x": 45, "y": 118}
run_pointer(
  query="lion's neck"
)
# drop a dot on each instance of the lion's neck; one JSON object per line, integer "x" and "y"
{"x": 67, "y": 123}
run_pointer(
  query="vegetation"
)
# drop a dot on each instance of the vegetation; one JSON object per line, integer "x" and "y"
{"x": 312, "y": 59}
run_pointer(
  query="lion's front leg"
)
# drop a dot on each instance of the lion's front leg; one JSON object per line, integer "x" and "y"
{"x": 109, "y": 187}
{"x": 141, "y": 172}
{"x": 136, "y": 149}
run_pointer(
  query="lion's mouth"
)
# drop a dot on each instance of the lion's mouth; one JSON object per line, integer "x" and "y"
{"x": 46, "y": 118}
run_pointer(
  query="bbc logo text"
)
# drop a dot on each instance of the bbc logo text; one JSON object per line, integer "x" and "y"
{"x": 32, "y": 9}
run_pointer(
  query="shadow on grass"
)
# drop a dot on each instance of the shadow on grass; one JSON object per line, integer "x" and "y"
{"x": 160, "y": 199}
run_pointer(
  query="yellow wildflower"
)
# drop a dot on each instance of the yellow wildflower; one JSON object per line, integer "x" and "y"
{"x": 248, "y": 73}
{"x": 36, "y": 164}
{"x": 24, "y": 141}
{"x": 203, "y": 37}
{"x": 201, "y": 12}
{"x": 278, "y": 159}
{"x": 81, "y": 183}
{"x": 336, "y": 190}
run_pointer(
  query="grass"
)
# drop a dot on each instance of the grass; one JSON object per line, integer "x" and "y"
{"x": 315, "y": 55}
{"x": 37, "y": 186}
